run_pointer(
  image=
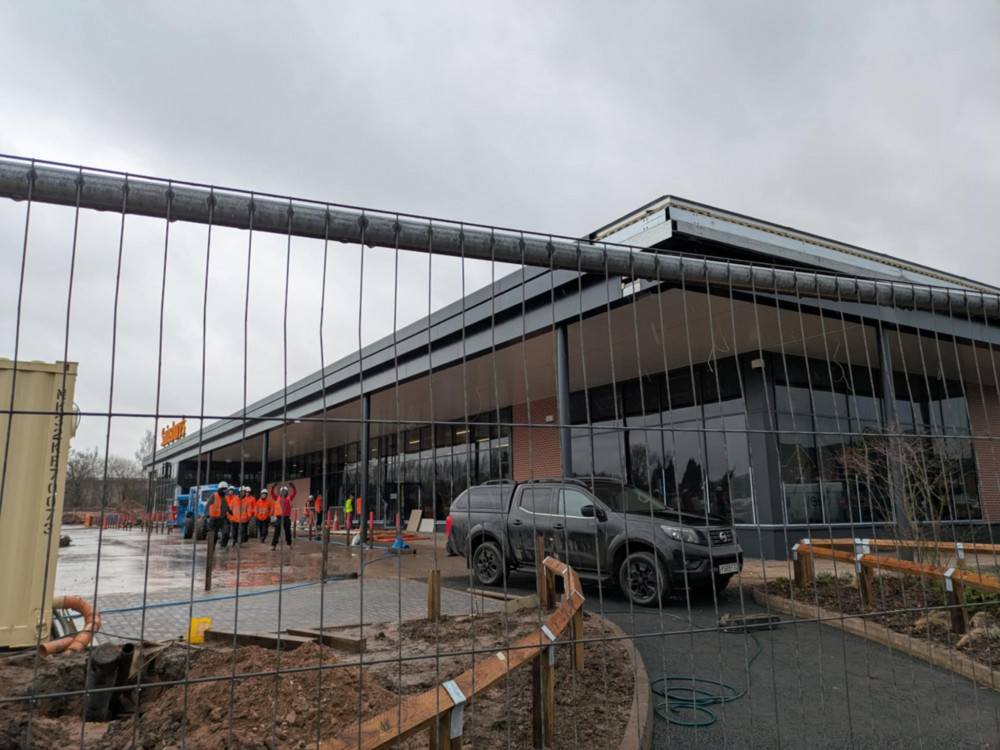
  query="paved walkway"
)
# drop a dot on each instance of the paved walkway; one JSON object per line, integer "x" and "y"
{"x": 270, "y": 608}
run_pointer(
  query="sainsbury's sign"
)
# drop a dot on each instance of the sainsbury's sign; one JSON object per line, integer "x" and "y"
{"x": 172, "y": 433}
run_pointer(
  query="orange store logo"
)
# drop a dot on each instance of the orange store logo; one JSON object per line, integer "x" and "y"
{"x": 173, "y": 433}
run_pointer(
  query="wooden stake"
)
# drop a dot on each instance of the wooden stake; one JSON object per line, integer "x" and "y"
{"x": 543, "y": 702}
{"x": 866, "y": 585}
{"x": 546, "y": 592}
{"x": 537, "y": 738}
{"x": 959, "y": 614}
{"x": 433, "y": 594}
{"x": 803, "y": 567}
{"x": 548, "y": 663}
{"x": 440, "y": 735}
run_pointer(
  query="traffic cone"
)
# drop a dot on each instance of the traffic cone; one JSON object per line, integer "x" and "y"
{"x": 336, "y": 524}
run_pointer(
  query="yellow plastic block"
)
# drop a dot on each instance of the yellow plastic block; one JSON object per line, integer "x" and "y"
{"x": 196, "y": 632}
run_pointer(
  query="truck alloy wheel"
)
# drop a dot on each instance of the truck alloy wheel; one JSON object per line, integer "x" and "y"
{"x": 643, "y": 579}
{"x": 488, "y": 564}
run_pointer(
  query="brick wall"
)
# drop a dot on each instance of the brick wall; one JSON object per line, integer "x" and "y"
{"x": 984, "y": 417}
{"x": 535, "y": 450}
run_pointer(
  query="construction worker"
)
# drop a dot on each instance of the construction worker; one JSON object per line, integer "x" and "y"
{"x": 232, "y": 517}
{"x": 319, "y": 514}
{"x": 263, "y": 513}
{"x": 246, "y": 513}
{"x": 349, "y": 510}
{"x": 216, "y": 516}
{"x": 283, "y": 508}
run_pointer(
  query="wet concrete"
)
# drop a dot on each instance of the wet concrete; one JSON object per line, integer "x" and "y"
{"x": 131, "y": 562}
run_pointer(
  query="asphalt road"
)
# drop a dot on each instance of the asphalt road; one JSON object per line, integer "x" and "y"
{"x": 811, "y": 686}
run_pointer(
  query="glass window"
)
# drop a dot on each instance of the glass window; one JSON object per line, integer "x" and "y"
{"x": 571, "y": 501}
{"x": 538, "y": 500}
{"x": 689, "y": 467}
{"x": 720, "y": 380}
{"x": 609, "y": 452}
{"x": 728, "y": 458}
{"x": 792, "y": 400}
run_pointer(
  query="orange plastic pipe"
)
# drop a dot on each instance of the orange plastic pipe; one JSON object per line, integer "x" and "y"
{"x": 79, "y": 641}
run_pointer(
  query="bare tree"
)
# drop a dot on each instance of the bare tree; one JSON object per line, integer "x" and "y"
{"x": 83, "y": 468}
{"x": 909, "y": 479}
{"x": 145, "y": 449}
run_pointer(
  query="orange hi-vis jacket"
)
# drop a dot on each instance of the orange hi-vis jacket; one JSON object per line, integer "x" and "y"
{"x": 277, "y": 501}
{"x": 319, "y": 504}
{"x": 247, "y": 507}
{"x": 233, "y": 508}
{"x": 263, "y": 509}
{"x": 215, "y": 507}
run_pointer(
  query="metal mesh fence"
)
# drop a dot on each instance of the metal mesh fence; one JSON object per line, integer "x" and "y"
{"x": 339, "y": 477}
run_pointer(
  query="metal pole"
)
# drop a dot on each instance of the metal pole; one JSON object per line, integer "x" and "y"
{"x": 263, "y": 460}
{"x": 562, "y": 398}
{"x": 103, "y": 191}
{"x": 363, "y": 451}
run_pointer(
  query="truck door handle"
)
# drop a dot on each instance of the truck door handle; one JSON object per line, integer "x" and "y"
{"x": 558, "y": 526}
{"x": 516, "y": 523}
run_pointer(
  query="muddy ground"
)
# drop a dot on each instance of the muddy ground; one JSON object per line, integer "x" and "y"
{"x": 901, "y": 604}
{"x": 307, "y": 703}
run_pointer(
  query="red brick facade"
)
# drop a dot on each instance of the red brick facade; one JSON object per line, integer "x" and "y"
{"x": 535, "y": 450}
{"x": 984, "y": 417}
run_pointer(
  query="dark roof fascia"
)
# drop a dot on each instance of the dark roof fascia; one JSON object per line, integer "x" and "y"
{"x": 504, "y": 299}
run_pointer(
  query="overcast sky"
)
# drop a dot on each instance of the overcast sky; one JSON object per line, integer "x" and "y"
{"x": 871, "y": 123}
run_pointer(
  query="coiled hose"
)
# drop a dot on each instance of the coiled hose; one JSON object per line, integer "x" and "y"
{"x": 691, "y": 692}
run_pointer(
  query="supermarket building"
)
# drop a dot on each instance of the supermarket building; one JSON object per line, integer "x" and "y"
{"x": 716, "y": 397}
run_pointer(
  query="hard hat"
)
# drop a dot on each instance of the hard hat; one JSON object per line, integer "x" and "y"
{"x": 223, "y": 485}
{"x": 284, "y": 491}
{"x": 231, "y": 491}
{"x": 263, "y": 493}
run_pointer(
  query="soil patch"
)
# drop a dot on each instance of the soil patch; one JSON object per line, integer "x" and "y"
{"x": 293, "y": 709}
{"x": 905, "y": 604}
{"x": 592, "y": 706}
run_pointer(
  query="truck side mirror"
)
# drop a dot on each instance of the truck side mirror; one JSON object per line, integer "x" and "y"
{"x": 591, "y": 511}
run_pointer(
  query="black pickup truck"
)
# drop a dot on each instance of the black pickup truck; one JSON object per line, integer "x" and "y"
{"x": 606, "y": 530}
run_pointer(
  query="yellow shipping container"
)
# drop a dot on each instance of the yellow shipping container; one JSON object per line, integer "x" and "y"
{"x": 33, "y": 471}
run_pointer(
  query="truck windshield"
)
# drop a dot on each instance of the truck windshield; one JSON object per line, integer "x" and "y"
{"x": 626, "y": 499}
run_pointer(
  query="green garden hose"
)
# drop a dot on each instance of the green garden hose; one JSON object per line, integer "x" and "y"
{"x": 694, "y": 693}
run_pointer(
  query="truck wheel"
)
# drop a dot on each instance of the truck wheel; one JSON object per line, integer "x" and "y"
{"x": 188, "y": 528}
{"x": 202, "y": 531}
{"x": 643, "y": 579}
{"x": 488, "y": 565}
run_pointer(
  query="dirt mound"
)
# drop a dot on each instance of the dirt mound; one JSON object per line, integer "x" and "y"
{"x": 253, "y": 711}
{"x": 235, "y": 699}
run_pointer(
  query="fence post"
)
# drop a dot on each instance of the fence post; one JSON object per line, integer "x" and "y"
{"x": 955, "y": 592}
{"x": 543, "y": 702}
{"x": 456, "y": 715}
{"x": 326, "y": 548}
{"x": 433, "y": 594}
{"x": 802, "y": 565}
{"x": 209, "y": 556}
{"x": 546, "y": 591}
{"x": 866, "y": 577}
{"x": 440, "y": 730}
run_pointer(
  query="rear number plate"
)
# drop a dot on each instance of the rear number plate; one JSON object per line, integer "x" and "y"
{"x": 729, "y": 568}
